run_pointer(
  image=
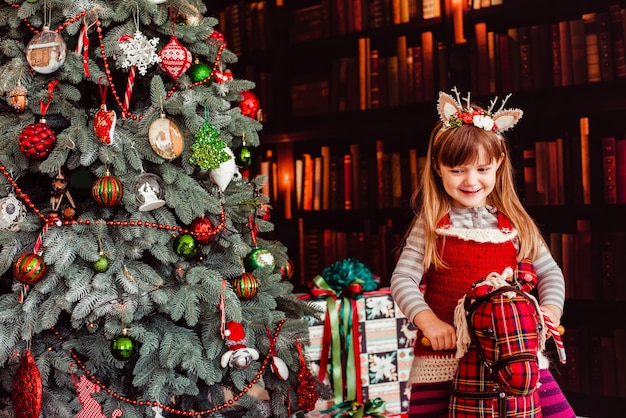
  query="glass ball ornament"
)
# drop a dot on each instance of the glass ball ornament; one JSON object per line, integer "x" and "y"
{"x": 200, "y": 72}
{"x": 101, "y": 264}
{"x": 286, "y": 271}
{"x": 246, "y": 286}
{"x": 124, "y": 347}
{"x": 243, "y": 158}
{"x": 204, "y": 230}
{"x": 46, "y": 51}
{"x": 107, "y": 190}
{"x": 259, "y": 258}
{"x": 185, "y": 245}
{"x": 29, "y": 268}
{"x": 149, "y": 191}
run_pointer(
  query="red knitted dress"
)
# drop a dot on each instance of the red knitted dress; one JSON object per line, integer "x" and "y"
{"x": 471, "y": 255}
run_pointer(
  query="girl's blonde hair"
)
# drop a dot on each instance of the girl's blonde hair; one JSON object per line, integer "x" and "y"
{"x": 430, "y": 202}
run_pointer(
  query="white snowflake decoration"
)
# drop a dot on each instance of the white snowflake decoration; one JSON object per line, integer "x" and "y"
{"x": 139, "y": 51}
{"x": 382, "y": 368}
{"x": 379, "y": 307}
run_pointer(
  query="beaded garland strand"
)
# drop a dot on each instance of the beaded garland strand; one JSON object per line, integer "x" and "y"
{"x": 168, "y": 408}
{"x": 125, "y": 112}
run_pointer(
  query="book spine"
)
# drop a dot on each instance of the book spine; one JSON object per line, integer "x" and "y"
{"x": 620, "y": 169}
{"x": 609, "y": 169}
{"x": 617, "y": 40}
{"x": 605, "y": 45}
{"x": 347, "y": 181}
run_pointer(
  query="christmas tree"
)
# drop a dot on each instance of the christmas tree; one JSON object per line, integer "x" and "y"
{"x": 136, "y": 279}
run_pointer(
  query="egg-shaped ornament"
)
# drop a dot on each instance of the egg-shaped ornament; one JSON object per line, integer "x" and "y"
{"x": 46, "y": 51}
{"x": 149, "y": 191}
{"x": 175, "y": 58}
{"x": 165, "y": 138}
{"x": 18, "y": 97}
{"x": 107, "y": 190}
{"x": 37, "y": 140}
{"x": 29, "y": 268}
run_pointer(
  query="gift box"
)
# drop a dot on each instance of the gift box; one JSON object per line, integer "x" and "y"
{"x": 385, "y": 339}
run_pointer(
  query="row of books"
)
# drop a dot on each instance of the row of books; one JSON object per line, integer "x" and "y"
{"x": 595, "y": 362}
{"x": 577, "y": 252}
{"x": 334, "y": 179}
{"x": 556, "y": 171}
{"x": 245, "y": 26}
{"x": 340, "y": 17}
{"x": 375, "y": 245}
{"x": 568, "y": 52}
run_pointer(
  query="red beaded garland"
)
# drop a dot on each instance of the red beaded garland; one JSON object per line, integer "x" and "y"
{"x": 167, "y": 407}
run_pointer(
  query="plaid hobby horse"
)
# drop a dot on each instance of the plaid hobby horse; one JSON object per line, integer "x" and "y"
{"x": 500, "y": 332}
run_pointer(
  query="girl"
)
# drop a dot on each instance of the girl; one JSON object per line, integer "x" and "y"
{"x": 469, "y": 223}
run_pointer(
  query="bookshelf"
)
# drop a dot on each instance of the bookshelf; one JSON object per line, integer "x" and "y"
{"x": 352, "y": 84}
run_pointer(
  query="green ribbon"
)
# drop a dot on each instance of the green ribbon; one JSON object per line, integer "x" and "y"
{"x": 340, "y": 324}
{"x": 373, "y": 408}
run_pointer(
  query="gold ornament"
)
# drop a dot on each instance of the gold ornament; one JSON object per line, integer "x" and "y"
{"x": 18, "y": 98}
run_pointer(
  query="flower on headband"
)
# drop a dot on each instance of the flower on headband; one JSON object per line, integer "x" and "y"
{"x": 453, "y": 114}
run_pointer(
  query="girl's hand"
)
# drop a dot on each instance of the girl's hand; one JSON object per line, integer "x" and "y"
{"x": 553, "y": 313}
{"x": 440, "y": 334}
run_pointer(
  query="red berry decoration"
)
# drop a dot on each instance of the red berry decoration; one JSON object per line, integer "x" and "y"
{"x": 37, "y": 140}
{"x": 107, "y": 190}
{"x": 249, "y": 105}
{"x": 29, "y": 268}
{"x": 246, "y": 286}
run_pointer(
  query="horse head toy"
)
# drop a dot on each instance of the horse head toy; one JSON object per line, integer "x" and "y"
{"x": 500, "y": 333}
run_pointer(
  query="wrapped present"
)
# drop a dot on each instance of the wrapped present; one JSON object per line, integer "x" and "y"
{"x": 362, "y": 348}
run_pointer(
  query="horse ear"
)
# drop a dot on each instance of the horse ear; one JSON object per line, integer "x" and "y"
{"x": 447, "y": 107}
{"x": 506, "y": 119}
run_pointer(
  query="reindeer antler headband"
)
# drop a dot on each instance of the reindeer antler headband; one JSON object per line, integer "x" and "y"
{"x": 453, "y": 114}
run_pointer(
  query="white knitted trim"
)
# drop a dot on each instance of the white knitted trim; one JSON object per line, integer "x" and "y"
{"x": 544, "y": 361}
{"x": 433, "y": 369}
{"x": 478, "y": 235}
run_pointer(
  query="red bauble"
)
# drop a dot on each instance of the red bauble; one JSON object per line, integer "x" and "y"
{"x": 286, "y": 271}
{"x": 175, "y": 58}
{"x": 36, "y": 140}
{"x": 204, "y": 230}
{"x": 217, "y": 38}
{"x": 107, "y": 190}
{"x": 27, "y": 388}
{"x": 29, "y": 268}
{"x": 246, "y": 286}
{"x": 249, "y": 105}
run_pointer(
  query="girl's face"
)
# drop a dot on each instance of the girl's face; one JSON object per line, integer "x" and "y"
{"x": 469, "y": 184}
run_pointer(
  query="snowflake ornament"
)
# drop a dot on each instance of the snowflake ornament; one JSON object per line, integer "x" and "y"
{"x": 138, "y": 51}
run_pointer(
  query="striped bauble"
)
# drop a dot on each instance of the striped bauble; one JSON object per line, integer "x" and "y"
{"x": 246, "y": 286}
{"x": 107, "y": 190}
{"x": 29, "y": 268}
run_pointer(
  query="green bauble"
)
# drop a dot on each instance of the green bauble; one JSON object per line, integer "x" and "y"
{"x": 185, "y": 245}
{"x": 199, "y": 72}
{"x": 101, "y": 264}
{"x": 124, "y": 347}
{"x": 243, "y": 157}
{"x": 259, "y": 258}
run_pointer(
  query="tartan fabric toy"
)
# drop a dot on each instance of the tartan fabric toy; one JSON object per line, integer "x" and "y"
{"x": 500, "y": 331}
